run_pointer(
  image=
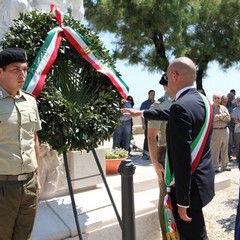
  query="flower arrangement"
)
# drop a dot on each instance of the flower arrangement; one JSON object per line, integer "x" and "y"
{"x": 116, "y": 153}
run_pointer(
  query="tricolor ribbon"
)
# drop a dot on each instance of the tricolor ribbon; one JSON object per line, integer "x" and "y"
{"x": 197, "y": 147}
{"x": 48, "y": 53}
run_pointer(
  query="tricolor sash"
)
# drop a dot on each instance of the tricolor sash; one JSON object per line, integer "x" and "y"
{"x": 197, "y": 147}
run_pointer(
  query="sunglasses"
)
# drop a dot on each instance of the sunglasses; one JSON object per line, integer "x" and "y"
{"x": 217, "y": 98}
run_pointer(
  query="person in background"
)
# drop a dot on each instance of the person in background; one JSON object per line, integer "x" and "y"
{"x": 237, "y": 222}
{"x": 237, "y": 132}
{"x": 157, "y": 148}
{"x": 230, "y": 103}
{"x": 236, "y": 117}
{"x": 19, "y": 148}
{"x": 219, "y": 141}
{"x": 230, "y": 106}
{"x": 224, "y": 101}
{"x": 122, "y": 135}
{"x": 234, "y": 101}
{"x": 146, "y": 105}
{"x": 131, "y": 101}
{"x": 193, "y": 187}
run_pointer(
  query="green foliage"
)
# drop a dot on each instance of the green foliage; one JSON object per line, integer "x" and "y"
{"x": 153, "y": 32}
{"x": 116, "y": 153}
{"x": 146, "y": 31}
{"x": 79, "y": 106}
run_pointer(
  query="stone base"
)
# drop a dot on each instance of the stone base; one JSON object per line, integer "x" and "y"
{"x": 97, "y": 219}
{"x": 82, "y": 167}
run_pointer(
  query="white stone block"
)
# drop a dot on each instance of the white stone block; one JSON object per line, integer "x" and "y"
{"x": 221, "y": 182}
{"x": 83, "y": 168}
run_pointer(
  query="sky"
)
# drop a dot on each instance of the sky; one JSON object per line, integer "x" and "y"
{"x": 141, "y": 81}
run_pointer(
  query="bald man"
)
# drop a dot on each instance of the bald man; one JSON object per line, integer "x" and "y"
{"x": 186, "y": 118}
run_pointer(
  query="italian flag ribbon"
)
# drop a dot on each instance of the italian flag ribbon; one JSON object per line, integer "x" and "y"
{"x": 48, "y": 53}
{"x": 197, "y": 147}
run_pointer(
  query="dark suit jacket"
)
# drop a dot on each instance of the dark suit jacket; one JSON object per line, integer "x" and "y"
{"x": 185, "y": 119}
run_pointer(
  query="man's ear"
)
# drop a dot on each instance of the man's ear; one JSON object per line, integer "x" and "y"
{"x": 175, "y": 76}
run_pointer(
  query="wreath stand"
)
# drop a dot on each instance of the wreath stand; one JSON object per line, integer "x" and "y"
{"x": 69, "y": 181}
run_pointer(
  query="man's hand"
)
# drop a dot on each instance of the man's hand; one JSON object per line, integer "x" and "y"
{"x": 130, "y": 112}
{"x": 160, "y": 172}
{"x": 224, "y": 116}
{"x": 39, "y": 187}
{"x": 182, "y": 212}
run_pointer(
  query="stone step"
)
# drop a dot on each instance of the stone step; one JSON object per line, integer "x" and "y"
{"x": 97, "y": 218}
{"x": 221, "y": 182}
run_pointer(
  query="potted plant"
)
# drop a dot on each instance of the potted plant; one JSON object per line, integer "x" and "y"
{"x": 114, "y": 158}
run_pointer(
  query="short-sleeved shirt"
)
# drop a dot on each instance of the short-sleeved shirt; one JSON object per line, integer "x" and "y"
{"x": 164, "y": 102}
{"x": 146, "y": 104}
{"x": 236, "y": 114}
{"x": 19, "y": 120}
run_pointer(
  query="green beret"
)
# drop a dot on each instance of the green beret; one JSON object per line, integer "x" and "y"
{"x": 11, "y": 55}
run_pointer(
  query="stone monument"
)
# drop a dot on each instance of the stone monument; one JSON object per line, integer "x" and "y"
{"x": 11, "y": 9}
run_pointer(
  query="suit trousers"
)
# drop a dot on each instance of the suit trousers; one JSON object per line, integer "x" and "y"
{"x": 237, "y": 222}
{"x": 145, "y": 143}
{"x": 18, "y": 206}
{"x": 162, "y": 193}
{"x": 237, "y": 143}
{"x": 193, "y": 230}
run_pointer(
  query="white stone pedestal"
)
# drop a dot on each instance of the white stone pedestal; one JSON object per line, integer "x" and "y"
{"x": 84, "y": 170}
{"x": 82, "y": 166}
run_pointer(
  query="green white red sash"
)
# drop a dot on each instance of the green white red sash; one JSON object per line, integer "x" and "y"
{"x": 197, "y": 147}
{"x": 48, "y": 53}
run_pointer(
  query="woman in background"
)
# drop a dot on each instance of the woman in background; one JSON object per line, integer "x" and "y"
{"x": 123, "y": 134}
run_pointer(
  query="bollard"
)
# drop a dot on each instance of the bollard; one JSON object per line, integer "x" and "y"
{"x": 127, "y": 170}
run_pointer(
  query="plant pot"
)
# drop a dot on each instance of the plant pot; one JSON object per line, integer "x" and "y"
{"x": 112, "y": 165}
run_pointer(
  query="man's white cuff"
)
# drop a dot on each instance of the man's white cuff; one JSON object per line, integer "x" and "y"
{"x": 182, "y": 206}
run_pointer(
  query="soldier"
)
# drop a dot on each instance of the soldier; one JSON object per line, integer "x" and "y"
{"x": 19, "y": 148}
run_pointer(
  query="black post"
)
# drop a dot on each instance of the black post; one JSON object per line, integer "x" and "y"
{"x": 127, "y": 170}
{"x": 71, "y": 195}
